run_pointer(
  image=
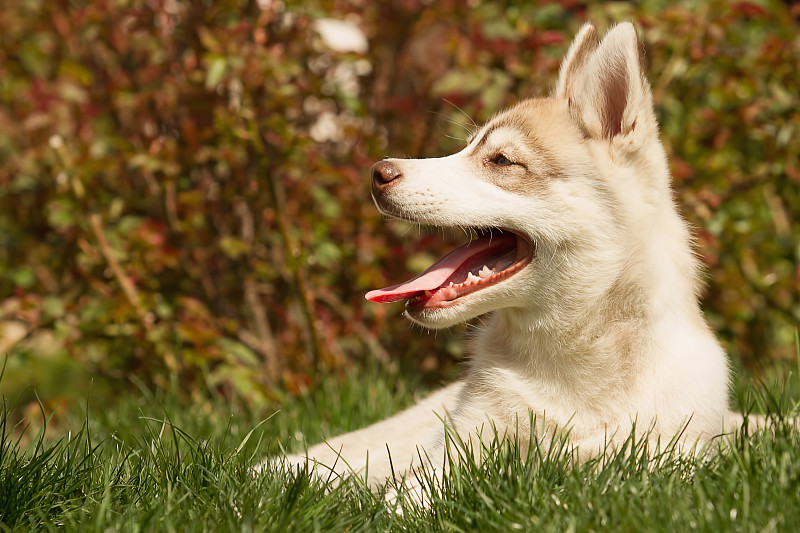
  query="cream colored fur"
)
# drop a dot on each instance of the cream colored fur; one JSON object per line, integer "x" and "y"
{"x": 603, "y": 328}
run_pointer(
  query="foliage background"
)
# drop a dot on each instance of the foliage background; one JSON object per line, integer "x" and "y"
{"x": 183, "y": 188}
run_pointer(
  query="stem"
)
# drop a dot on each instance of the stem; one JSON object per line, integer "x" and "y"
{"x": 295, "y": 267}
{"x": 96, "y": 222}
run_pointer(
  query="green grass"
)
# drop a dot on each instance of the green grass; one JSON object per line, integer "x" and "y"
{"x": 153, "y": 464}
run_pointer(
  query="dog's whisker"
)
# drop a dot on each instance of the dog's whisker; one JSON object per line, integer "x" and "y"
{"x": 471, "y": 120}
{"x": 454, "y": 122}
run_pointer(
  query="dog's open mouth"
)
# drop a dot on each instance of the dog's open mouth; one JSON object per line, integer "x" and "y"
{"x": 482, "y": 262}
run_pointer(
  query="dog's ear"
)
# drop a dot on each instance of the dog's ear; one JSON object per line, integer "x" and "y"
{"x": 608, "y": 93}
{"x": 579, "y": 52}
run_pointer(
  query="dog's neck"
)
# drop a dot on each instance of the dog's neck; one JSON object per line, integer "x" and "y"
{"x": 563, "y": 352}
{"x": 588, "y": 356}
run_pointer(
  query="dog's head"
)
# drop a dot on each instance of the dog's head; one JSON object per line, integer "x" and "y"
{"x": 553, "y": 186}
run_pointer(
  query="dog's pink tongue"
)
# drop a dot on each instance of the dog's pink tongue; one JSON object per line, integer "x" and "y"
{"x": 429, "y": 280}
{"x": 435, "y": 276}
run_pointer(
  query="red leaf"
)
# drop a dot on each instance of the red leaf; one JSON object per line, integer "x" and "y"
{"x": 749, "y": 9}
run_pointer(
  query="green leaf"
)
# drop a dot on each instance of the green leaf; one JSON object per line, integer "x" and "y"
{"x": 216, "y": 71}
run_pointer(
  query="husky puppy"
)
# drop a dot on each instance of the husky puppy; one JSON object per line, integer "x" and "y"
{"x": 583, "y": 265}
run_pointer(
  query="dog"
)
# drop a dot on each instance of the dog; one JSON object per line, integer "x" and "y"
{"x": 583, "y": 265}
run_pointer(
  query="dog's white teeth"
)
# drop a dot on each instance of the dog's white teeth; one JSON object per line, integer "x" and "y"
{"x": 451, "y": 284}
{"x": 485, "y": 272}
{"x": 471, "y": 278}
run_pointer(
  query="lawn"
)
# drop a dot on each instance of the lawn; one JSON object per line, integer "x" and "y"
{"x": 154, "y": 464}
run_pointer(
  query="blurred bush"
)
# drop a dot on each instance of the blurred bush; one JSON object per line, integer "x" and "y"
{"x": 184, "y": 193}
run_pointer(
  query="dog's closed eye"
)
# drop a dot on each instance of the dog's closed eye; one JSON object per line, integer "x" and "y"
{"x": 500, "y": 160}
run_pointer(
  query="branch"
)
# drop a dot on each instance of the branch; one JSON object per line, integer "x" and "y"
{"x": 146, "y": 318}
{"x": 263, "y": 341}
{"x": 293, "y": 259}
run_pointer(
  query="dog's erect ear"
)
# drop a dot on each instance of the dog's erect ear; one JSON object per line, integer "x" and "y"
{"x": 579, "y": 52}
{"x": 605, "y": 84}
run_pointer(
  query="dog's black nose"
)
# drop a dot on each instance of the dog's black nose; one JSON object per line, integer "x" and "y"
{"x": 383, "y": 173}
